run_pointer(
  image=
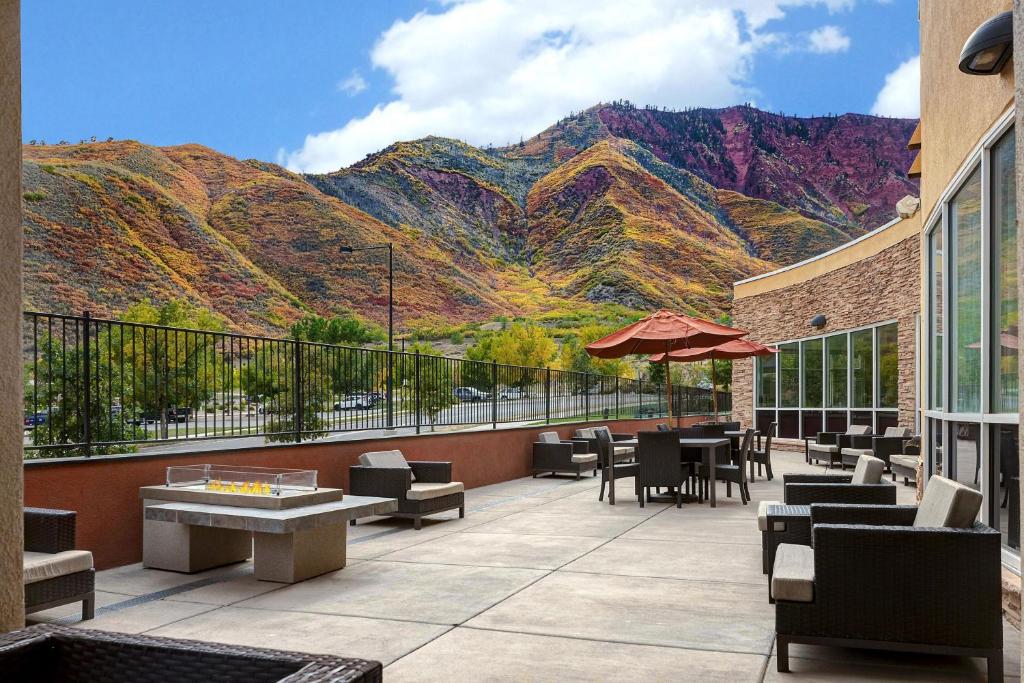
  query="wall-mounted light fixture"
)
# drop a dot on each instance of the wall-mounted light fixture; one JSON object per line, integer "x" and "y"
{"x": 818, "y": 321}
{"x": 990, "y": 46}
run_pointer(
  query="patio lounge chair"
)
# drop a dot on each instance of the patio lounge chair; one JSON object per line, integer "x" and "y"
{"x": 942, "y": 593}
{"x": 47, "y": 653}
{"x": 55, "y": 573}
{"x": 421, "y": 488}
{"x": 553, "y": 454}
{"x": 829, "y": 445}
{"x": 905, "y": 464}
{"x": 882, "y": 447}
{"x": 589, "y": 434}
{"x": 863, "y": 487}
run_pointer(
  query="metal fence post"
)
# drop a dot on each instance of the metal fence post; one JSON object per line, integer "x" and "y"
{"x": 640, "y": 395}
{"x": 417, "y": 385}
{"x": 494, "y": 394}
{"x": 297, "y": 389}
{"x": 87, "y": 387}
{"x": 586, "y": 400}
{"x": 547, "y": 396}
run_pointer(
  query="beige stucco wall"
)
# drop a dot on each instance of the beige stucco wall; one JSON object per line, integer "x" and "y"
{"x": 956, "y": 109}
{"x": 12, "y": 613}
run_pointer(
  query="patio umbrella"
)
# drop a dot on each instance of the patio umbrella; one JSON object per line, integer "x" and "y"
{"x": 662, "y": 333}
{"x": 736, "y": 348}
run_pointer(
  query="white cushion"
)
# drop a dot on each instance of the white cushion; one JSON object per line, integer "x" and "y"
{"x": 947, "y": 503}
{"x": 388, "y": 459}
{"x": 858, "y": 429}
{"x": 762, "y": 516}
{"x": 857, "y": 451}
{"x": 868, "y": 470}
{"x": 42, "y": 566}
{"x": 548, "y": 437}
{"x": 585, "y": 433}
{"x": 584, "y": 457}
{"x": 901, "y": 432}
{"x": 909, "y": 461}
{"x": 824, "y": 447}
{"x": 624, "y": 450}
{"x": 793, "y": 573}
{"x": 424, "y": 491}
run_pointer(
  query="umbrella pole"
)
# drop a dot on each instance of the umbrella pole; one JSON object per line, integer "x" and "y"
{"x": 668, "y": 389}
{"x": 714, "y": 390}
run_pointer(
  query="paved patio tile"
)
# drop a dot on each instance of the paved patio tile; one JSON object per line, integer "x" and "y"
{"x": 74, "y": 610}
{"x": 534, "y": 523}
{"x": 134, "y": 579}
{"x": 439, "y": 594}
{"x": 388, "y": 540}
{"x": 377, "y": 639}
{"x": 645, "y": 611}
{"x": 727, "y": 563}
{"x": 146, "y": 616}
{"x": 683, "y": 526}
{"x": 819, "y": 671}
{"x": 227, "y": 592}
{"x": 625, "y": 506}
{"x": 498, "y": 550}
{"x": 470, "y": 655}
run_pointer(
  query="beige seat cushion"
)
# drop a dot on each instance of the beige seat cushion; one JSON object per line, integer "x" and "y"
{"x": 868, "y": 470}
{"x": 625, "y": 450}
{"x": 857, "y": 451}
{"x": 858, "y": 429}
{"x": 424, "y": 490}
{"x": 585, "y": 433}
{"x": 762, "y": 516}
{"x": 42, "y": 566}
{"x": 823, "y": 448}
{"x": 909, "y": 461}
{"x": 901, "y": 432}
{"x": 947, "y": 503}
{"x": 389, "y": 459}
{"x": 793, "y": 573}
{"x": 584, "y": 457}
{"x": 548, "y": 437}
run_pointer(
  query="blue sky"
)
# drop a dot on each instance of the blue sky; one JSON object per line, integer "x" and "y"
{"x": 317, "y": 84}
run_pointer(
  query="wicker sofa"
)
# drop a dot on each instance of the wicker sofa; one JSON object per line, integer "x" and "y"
{"x": 55, "y": 572}
{"x": 421, "y": 487}
{"x": 47, "y": 653}
{"x": 553, "y": 454}
{"x": 882, "y": 447}
{"x": 941, "y": 588}
{"x": 828, "y": 446}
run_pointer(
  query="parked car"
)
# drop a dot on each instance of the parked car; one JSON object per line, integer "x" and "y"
{"x": 34, "y": 419}
{"x": 512, "y": 393}
{"x": 179, "y": 414}
{"x": 356, "y": 402}
{"x": 470, "y": 394}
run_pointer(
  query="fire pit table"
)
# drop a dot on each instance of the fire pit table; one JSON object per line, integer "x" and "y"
{"x": 206, "y": 516}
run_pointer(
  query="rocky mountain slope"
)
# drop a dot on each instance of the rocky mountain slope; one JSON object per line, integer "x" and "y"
{"x": 615, "y": 206}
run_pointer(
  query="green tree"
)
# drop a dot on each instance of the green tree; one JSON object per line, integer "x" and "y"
{"x": 346, "y": 330}
{"x": 433, "y": 384}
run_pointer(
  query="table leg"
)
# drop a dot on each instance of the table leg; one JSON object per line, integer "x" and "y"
{"x": 610, "y": 468}
{"x": 712, "y": 452}
{"x": 290, "y": 558}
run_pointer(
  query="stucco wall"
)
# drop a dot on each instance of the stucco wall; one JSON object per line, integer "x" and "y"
{"x": 11, "y": 595}
{"x": 881, "y": 287}
{"x": 956, "y": 109}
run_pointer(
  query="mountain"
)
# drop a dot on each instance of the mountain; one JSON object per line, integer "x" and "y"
{"x": 613, "y": 207}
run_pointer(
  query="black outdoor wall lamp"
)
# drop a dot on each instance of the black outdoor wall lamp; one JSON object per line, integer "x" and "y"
{"x": 818, "y": 321}
{"x": 990, "y": 46}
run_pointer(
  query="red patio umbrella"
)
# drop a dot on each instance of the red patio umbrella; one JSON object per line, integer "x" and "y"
{"x": 663, "y": 332}
{"x": 736, "y": 348}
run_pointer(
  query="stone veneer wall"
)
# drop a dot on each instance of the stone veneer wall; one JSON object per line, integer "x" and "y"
{"x": 882, "y": 287}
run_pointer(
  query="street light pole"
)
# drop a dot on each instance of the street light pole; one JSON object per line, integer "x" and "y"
{"x": 391, "y": 321}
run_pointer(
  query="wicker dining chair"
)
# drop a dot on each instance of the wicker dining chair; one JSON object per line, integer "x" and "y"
{"x": 660, "y": 465}
{"x": 614, "y": 469}
{"x": 764, "y": 457}
{"x": 732, "y": 473}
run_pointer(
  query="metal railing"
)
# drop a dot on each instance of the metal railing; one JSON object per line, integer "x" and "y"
{"x": 105, "y": 386}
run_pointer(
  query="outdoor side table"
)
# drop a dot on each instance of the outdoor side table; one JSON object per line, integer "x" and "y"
{"x": 786, "y": 524}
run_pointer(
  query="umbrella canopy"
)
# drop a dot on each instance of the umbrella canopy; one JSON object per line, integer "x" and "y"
{"x": 661, "y": 332}
{"x": 737, "y": 348}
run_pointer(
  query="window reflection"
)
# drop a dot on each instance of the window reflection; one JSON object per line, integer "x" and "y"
{"x": 789, "y": 375}
{"x": 1004, "y": 318}
{"x": 1004, "y": 504}
{"x": 863, "y": 368}
{"x": 836, "y": 357}
{"x": 965, "y": 234}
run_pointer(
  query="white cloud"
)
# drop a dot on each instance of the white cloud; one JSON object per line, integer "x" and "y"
{"x": 490, "y": 71}
{"x": 901, "y": 94}
{"x": 828, "y": 39}
{"x": 353, "y": 85}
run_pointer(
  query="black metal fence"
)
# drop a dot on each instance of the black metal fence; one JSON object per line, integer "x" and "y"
{"x": 105, "y": 386}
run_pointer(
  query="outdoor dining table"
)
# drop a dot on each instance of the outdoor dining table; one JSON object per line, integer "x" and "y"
{"x": 708, "y": 449}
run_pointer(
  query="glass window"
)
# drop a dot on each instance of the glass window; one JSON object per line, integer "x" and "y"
{"x": 888, "y": 366}
{"x": 935, "y": 294}
{"x": 812, "y": 363}
{"x": 965, "y": 346}
{"x": 836, "y": 357}
{"x": 789, "y": 375}
{"x": 863, "y": 368}
{"x": 766, "y": 381}
{"x": 966, "y": 453}
{"x": 1004, "y": 277}
{"x": 1004, "y": 503}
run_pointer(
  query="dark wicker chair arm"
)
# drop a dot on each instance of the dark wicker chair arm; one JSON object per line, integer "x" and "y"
{"x": 385, "y": 482}
{"x": 579, "y": 445}
{"x": 49, "y": 531}
{"x": 431, "y": 472}
{"x": 828, "y": 438}
{"x": 911, "y": 449}
{"x": 552, "y": 455}
{"x": 875, "y": 515}
{"x": 847, "y": 494}
{"x": 884, "y": 447}
{"x": 816, "y": 479}
{"x": 855, "y": 440}
{"x": 623, "y": 437}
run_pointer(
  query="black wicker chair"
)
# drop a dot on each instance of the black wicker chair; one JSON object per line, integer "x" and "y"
{"x": 764, "y": 457}
{"x": 828, "y": 446}
{"x": 47, "y": 653}
{"x": 904, "y": 464}
{"x": 49, "y": 548}
{"x": 941, "y": 592}
{"x": 614, "y": 468}
{"x": 388, "y": 474}
{"x": 553, "y": 454}
{"x": 660, "y": 465}
{"x": 732, "y": 473}
{"x": 882, "y": 447}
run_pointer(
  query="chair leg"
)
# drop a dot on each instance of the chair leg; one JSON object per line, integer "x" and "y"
{"x": 728, "y": 489}
{"x": 462, "y": 512}
{"x": 995, "y": 667}
{"x": 417, "y": 523}
{"x": 782, "y": 653}
{"x": 600, "y": 496}
{"x": 679, "y": 497}
{"x": 89, "y": 607}
{"x": 768, "y": 468}
{"x": 352, "y": 522}
{"x": 644, "y": 494}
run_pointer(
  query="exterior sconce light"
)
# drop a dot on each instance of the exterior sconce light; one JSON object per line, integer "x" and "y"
{"x": 990, "y": 46}
{"x": 818, "y": 321}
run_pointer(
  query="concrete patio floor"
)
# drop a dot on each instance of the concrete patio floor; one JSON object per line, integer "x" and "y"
{"x": 539, "y": 582}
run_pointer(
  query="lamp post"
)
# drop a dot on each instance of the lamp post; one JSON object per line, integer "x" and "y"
{"x": 391, "y": 320}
